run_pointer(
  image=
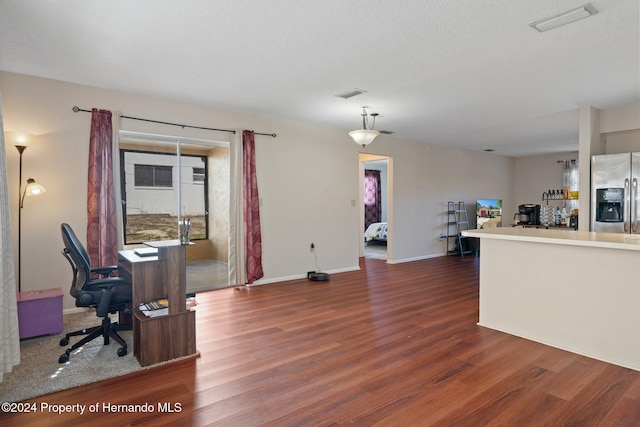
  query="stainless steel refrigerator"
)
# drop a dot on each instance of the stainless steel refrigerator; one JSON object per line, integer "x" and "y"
{"x": 614, "y": 193}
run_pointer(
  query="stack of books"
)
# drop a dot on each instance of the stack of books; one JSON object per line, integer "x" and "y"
{"x": 157, "y": 307}
{"x": 160, "y": 307}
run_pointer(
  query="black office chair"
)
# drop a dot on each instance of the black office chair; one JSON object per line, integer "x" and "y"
{"x": 105, "y": 294}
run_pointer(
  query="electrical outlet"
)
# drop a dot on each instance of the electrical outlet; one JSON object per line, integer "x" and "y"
{"x": 312, "y": 247}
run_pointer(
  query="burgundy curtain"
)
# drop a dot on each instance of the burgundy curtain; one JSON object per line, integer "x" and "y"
{"x": 102, "y": 230}
{"x": 372, "y": 197}
{"x": 253, "y": 235}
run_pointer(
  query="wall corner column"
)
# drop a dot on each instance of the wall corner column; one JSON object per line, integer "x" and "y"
{"x": 589, "y": 145}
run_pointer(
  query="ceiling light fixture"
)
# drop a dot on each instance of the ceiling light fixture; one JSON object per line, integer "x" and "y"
{"x": 366, "y": 135}
{"x": 564, "y": 18}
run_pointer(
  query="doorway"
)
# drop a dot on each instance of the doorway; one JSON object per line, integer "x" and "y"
{"x": 375, "y": 215}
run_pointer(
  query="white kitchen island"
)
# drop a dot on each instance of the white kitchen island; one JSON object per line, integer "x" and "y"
{"x": 575, "y": 290}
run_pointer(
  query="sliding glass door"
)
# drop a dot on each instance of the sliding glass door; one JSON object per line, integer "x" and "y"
{"x": 164, "y": 180}
{"x": 152, "y": 183}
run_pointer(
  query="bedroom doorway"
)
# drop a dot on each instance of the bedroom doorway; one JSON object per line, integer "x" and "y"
{"x": 375, "y": 194}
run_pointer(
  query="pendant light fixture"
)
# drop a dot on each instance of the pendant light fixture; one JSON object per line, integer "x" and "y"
{"x": 366, "y": 135}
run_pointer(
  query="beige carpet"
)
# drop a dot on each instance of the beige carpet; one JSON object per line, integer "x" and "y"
{"x": 39, "y": 372}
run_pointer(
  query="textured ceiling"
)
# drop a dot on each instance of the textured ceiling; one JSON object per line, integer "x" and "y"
{"x": 462, "y": 73}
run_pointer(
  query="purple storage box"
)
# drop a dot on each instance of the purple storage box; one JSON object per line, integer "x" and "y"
{"x": 40, "y": 312}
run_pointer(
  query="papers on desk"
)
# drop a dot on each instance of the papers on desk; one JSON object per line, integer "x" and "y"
{"x": 146, "y": 252}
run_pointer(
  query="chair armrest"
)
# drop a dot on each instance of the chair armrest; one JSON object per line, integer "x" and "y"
{"x": 104, "y": 270}
{"x": 105, "y": 283}
{"x": 105, "y": 287}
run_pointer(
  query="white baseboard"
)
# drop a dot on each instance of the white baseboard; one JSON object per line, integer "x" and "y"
{"x": 418, "y": 258}
{"x": 635, "y": 367}
{"x": 300, "y": 276}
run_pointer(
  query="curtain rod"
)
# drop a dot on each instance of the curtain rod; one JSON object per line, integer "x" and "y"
{"x": 273, "y": 135}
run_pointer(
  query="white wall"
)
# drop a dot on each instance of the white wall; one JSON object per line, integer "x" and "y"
{"x": 620, "y": 119}
{"x": 302, "y": 201}
{"x": 424, "y": 177}
{"x": 627, "y": 141}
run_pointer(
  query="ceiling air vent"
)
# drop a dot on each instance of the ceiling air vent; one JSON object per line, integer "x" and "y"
{"x": 351, "y": 93}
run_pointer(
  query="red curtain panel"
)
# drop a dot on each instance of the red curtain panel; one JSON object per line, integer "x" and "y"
{"x": 102, "y": 232}
{"x": 253, "y": 234}
{"x": 372, "y": 197}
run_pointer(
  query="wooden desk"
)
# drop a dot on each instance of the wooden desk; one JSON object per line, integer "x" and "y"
{"x": 159, "y": 339}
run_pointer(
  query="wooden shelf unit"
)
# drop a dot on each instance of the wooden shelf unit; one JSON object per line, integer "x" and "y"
{"x": 162, "y": 338}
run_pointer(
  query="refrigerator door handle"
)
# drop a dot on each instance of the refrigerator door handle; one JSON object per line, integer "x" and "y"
{"x": 627, "y": 209}
{"x": 634, "y": 198}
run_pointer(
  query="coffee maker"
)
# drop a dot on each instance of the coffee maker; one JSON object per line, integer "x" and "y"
{"x": 528, "y": 214}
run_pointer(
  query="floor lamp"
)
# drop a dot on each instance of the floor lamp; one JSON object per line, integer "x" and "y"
{"x": 21, "y": 142}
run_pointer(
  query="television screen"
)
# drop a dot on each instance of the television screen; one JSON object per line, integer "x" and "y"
{"x": 488, "y": 213}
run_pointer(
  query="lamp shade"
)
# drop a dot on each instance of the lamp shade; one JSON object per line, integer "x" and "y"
{"x": 33, "y": 188}
{"x": 364, "y": 137}
{"x": 20, "y": 139}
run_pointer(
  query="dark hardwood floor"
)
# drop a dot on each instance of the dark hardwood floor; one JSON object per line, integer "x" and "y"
{"x": 390, "y": 345}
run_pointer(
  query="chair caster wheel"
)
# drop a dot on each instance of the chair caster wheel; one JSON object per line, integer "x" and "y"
{"x": 63, "y": 359}
{"x": 64, "y": 341}
{"x": 122, "y": 352}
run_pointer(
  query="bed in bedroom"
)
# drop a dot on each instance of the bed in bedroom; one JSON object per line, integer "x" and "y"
{"x": 376, "y": 231}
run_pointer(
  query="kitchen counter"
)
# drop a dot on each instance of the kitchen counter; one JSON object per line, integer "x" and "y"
{"x": 575, "y": 290}
{"x": 560, "y": 236}
{"x": 546, "y": 227}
